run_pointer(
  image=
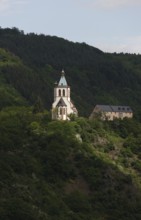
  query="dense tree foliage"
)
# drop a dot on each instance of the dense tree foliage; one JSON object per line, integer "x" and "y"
{"x": 68, "y": 170}
{"x": 82, "y": 169}
{"x": 95, "y": 77}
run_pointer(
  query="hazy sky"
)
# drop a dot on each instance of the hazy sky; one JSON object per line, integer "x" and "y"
{"x": 110, "y": 25}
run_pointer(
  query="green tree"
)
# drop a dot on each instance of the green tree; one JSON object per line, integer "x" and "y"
{"x": 38, "y": 106}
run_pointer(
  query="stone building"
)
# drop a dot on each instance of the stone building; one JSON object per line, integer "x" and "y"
{"x": 111, "y": 112}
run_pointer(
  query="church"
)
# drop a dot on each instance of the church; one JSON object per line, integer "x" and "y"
{"x": 62, "y": 106}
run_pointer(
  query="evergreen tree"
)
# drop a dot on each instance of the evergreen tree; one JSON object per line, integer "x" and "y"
{"x": 38, "y": 106}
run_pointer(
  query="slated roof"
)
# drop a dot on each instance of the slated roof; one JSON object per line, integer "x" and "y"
{"x": 61, "y": 103}
{"x": 62, "y": 81}
{"x": 114, "y": 108}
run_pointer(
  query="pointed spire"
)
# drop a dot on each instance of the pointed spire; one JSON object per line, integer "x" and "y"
{"x": 62, "y": 81}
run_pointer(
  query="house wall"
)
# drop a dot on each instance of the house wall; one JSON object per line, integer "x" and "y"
{"x": 113, "y": 115}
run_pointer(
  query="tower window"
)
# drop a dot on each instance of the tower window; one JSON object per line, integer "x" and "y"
{"x": 59, "y": 92}
{"x": 63, "y": 92}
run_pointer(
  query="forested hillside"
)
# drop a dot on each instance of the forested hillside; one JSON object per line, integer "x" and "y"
{"x": 53, "y": 170}
{"x": 95, "y": 77}
{"x": 77, "y": 170}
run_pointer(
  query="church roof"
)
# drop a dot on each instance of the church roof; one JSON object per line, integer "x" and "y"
{"x": 61, "y": 103}
{"x": 62, "y": 81}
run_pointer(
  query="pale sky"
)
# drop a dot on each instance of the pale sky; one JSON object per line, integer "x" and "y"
{"x": 110, "y": 25}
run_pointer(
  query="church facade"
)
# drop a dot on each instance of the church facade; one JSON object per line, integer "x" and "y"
{"x": 62, "y": 106}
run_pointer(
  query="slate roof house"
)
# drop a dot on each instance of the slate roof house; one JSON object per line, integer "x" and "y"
{"x": 111, "y": 112}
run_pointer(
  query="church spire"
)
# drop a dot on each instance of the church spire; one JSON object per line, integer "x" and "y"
{"x": 62, "y": 81}
{"x": 62, "y": 106}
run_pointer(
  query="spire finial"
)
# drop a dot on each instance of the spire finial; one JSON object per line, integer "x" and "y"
{"x": 63, "y": 72}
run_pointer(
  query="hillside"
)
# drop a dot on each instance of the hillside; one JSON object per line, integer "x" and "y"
{"x": 77, "y": 170}
{"x": 95, "y": 77}
{"x": 82, "y": 169}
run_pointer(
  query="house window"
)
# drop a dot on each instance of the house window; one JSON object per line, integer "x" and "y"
{"x": 59, "y": 92}
{"x": 63, "y": 92}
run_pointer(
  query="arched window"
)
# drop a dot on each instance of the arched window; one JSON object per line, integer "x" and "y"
{"x": 61, "y": 112}
{"x": 63, "y": 92}
{"x": 59, "y": 92}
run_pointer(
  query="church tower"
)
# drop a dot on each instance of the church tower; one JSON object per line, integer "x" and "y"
{"x": 62, "y": 106}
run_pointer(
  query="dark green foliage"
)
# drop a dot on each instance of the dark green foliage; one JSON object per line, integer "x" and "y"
{"x": 38, "y": 106}
{"x": 17, "y": 209}
{"x": 95, "y": 77}
{"x": 47, "y": 172}
{"x": 77, "y": 170}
